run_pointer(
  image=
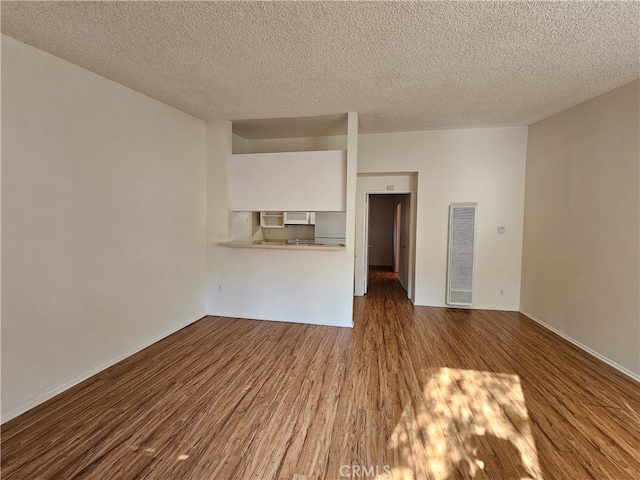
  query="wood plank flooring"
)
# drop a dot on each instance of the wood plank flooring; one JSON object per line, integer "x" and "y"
{"x": 409, "y": 393}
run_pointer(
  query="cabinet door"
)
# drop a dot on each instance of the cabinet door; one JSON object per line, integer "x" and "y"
{"x": 304, "y": 178}
{"x": 254, "y": 182}
{"x": 292, "y": 181}
{"x": 295, "y": 181}
{"x": 337, "y": 189}
{"x": 313, "y": 181}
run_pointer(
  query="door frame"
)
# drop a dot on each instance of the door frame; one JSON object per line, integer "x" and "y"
{"x": 397, "y": 235}
{"x": 364, "y": 250}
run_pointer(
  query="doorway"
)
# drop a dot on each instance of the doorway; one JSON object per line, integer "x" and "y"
{"x": 387, "y": 183}
{"x": 387, "y": 234}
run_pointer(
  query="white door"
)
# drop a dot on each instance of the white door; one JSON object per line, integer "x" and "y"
{"x": 396, "y": 235}
{"x": 366, "y": 243}
{"x": 405, "y": 219}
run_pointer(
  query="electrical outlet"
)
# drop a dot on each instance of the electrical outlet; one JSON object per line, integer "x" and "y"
{"x": 219, "y": 287}
{"x": 501, "y": 292}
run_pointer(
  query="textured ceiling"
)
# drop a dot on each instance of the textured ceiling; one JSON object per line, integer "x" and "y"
{"x": 402, "y": 65}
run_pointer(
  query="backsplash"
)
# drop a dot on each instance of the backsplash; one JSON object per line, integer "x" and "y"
{"x": 301, "y": 232}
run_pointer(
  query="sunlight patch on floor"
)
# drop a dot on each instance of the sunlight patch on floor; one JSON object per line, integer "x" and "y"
{"x": 467, "y": 424}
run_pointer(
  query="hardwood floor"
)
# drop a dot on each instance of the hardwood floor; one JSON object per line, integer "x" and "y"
{"x": 410, "y": 392}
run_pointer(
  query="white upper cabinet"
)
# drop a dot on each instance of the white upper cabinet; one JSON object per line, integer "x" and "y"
{"x": 246, "y": 181}
{"x": 292, "y": 181}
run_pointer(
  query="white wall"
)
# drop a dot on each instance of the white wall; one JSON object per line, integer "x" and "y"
{"x": 103, "y": 223}
{"x": 474, "y": 165}
{"x": 581, "y": 259}
{"x": 219, "y": 144}
{"x": 239, "y": 144}
{"x": 297, "y": 144}
{"x": 283, "y": 285}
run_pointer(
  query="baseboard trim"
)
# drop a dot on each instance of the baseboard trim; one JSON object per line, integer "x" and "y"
{"x": 56, "y": 391}
{"x": 590, "y": 351}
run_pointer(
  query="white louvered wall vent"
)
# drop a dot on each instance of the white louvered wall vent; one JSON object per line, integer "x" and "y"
{"x": 462, "y": 242}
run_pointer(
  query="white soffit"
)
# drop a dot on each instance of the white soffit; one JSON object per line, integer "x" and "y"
{"x": 402, "y": 65}
{"x": 325, "y": 125}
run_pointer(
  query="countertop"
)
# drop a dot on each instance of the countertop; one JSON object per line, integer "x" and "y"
{"x": 281, "y": 245}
